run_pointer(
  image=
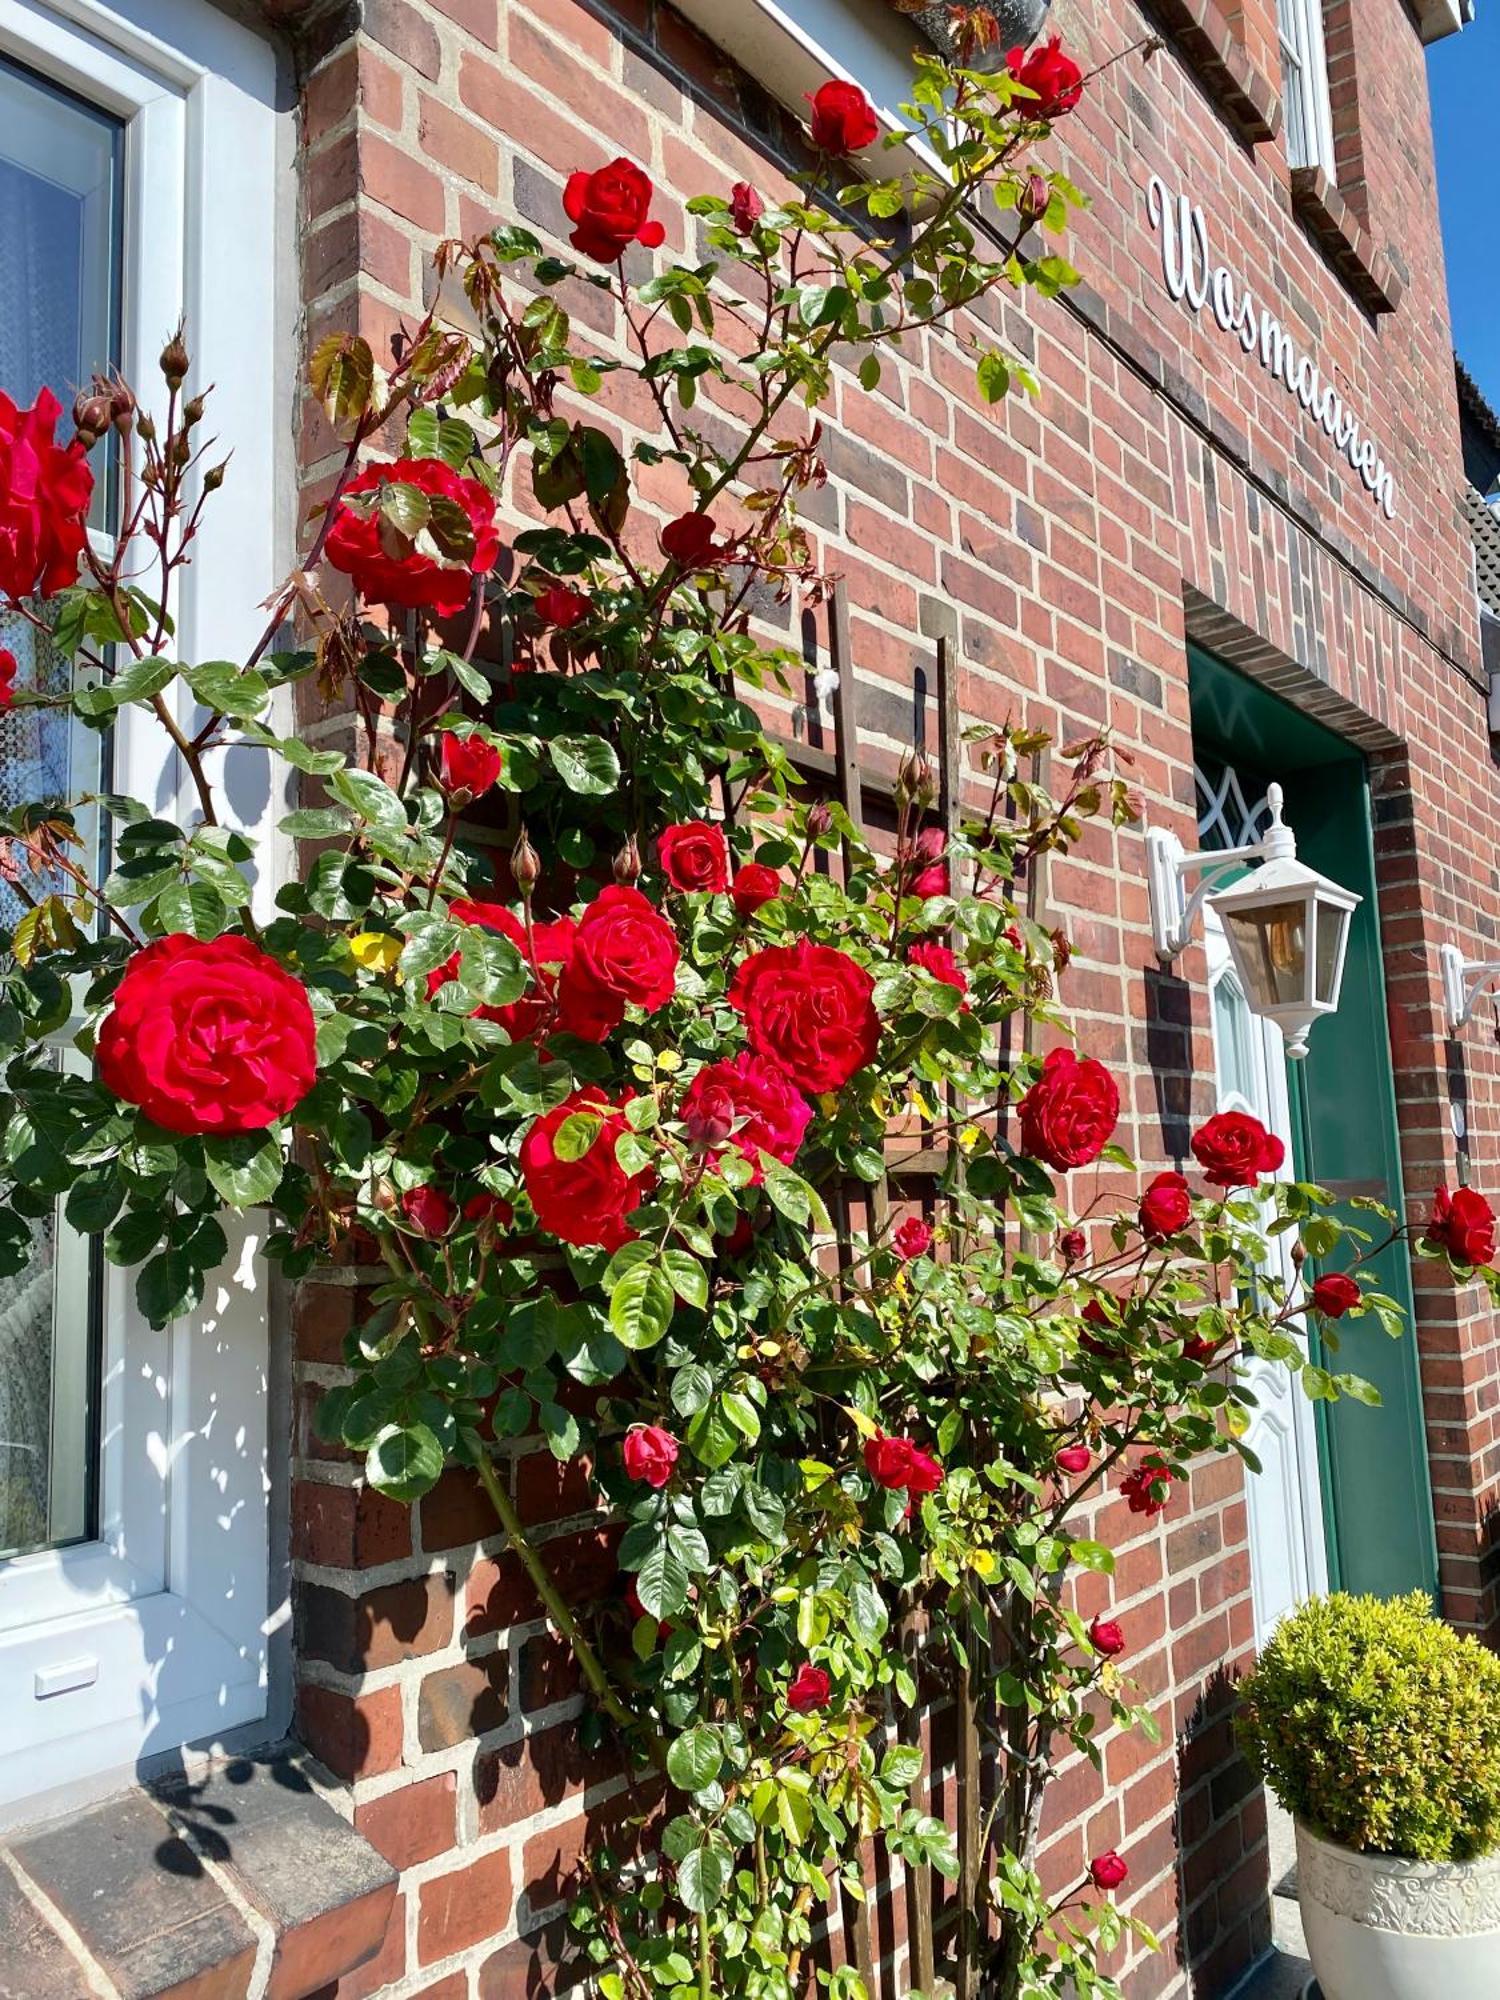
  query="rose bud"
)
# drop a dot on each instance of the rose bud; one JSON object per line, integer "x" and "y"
{"x": 1166, "y": 1208}
{"x": 469, "y": 766}
{"x": 752, "y": 886}
{"x": 914, "y": 780}
{"x": 1107, "y": 1636}
{"x": 1334, "y": 1293}
{"x": 808, "y": 1689}
{"x": 1107, "y": 1870}
{"x": 121, "y": 402}
{"x": 1073, "y": 1246}
{"x": 1074, "y": 1458}
{"x": 819, "y": 819}
{"x": 1034, "y": 199}
{"x": 428, "y": 1211}
{"x": 627, "y": 865}
{"x": 525, "y": 866}
{"x": 649, "y": 1454}
{"x": 708, "y": 1116}
{"x": 174, "y": 361}
{"x": 91, "y": 416}
{"x": 745, "y": 208}
{"x": 192, "y": 410}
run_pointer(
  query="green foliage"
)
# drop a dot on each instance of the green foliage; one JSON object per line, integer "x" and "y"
{"x": 1379, "y": 1726}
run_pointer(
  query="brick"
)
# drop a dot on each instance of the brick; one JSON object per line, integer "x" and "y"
{"x": 389, "y": 175}
{"x": 396, "y": 1622}
{"x": 456, "y": 1703}
{"x": 347, "y": 1527}
{"x": 413, "y": 1824}
{"x": 37, "y": 1965}
{"x": 498, "y": 1594}
{"x": 456, "y": 1512}
{"x": 403, "y": 30}
{"x": 458, "y": 144}
{"x": 463, "y": 1908}
{"x": 354, "y": 1735}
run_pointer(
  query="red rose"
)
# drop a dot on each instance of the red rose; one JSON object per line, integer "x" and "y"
{"x": 583, "y": 1201}
{"x": 753, "y": 885}
{"x": 843, "y": 118}
{"x": 1074, "y": 1458}
{"x": 208, "y": 1037}
{"x": 1056, "y": 79}
{"x": 1166, "y": 1208}
{"x": 492, "y": 1209}
{"x": 694, "y": 856}
{"x": 361, "y": 545}
{"x": 1107, "y": 1870}
{"x": 941, "y": 963}
{"x": 1149, "y": 1487}
{"x": 930, "y": 867}
{"x": 561, "y": 607}
{"x": 1096, "y": 1313}
{"x": 901, "y": 1466}
{"x": 650, "y": 1453}
{"x": 469, "y": 765}
{"x": 1107, "y": 1636}
{"x": 1073, "y": 1246}
{"x": 1234, "y": 1149}
{"x": 609, "y": 210}
{"x": 912, "y": 1239}
{"x": 1334, "y": 1293}
{"x": 624, "y": 954}
{"x": 549, "y": 948}
{"x": 1070, "y": 1111}
{"x": 810, "y": 1009}
{"x": 1196, "y": 1348}
{"x": 1463, "y": 1224}
{"x": 750, "y": 1103}
{"x": 7, "y": 677}
{"x": 690, "y": 542}
{"x": 808, "y": 1689}
{"x": 428, "y": 1210}
{"x": 745, "y": 208}
{"x": 45, "y": 489}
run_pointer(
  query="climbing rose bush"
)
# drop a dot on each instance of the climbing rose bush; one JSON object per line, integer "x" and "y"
{"x": 594, "y": 1034}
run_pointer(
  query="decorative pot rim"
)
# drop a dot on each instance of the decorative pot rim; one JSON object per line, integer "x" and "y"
{"x": 1392, "y": 1893}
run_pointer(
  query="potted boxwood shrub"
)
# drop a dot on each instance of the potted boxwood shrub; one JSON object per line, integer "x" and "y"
{"x": 1378, "y": 1728}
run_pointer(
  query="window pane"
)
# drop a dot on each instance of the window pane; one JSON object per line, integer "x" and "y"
{"x": 60, "y": 245}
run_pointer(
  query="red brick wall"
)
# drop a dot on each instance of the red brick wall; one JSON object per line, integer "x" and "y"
{"x": 1161, "y": 480}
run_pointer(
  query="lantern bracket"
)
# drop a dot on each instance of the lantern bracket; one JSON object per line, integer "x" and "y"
{"x": 1464, "y": 979}
{"x": 1173, "y": 910}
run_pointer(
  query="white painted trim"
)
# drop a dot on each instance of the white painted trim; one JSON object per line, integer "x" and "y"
{"x": 159, "y": 1629}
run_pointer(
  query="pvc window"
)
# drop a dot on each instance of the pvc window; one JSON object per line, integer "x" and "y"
{"x": 1304, "y": 77}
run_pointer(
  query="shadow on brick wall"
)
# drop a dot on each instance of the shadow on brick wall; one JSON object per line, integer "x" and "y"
{"x": 1223, "y": 1869}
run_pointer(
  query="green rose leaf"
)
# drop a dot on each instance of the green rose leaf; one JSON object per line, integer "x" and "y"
{"x": 585, "y": 764}
{"x": 695, "y": 1758}
{"x": 405, "y": 1461}
{"x": 245, "y": 1167}
{"x": 640, "y": 1310}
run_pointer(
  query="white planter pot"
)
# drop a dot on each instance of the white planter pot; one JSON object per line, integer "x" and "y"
{"x": 1382, "y": 1929}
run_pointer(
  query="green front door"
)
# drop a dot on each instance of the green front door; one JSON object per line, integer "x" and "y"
{"x": 1377, "y": 1498}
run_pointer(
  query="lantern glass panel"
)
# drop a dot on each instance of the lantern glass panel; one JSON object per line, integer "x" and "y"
{"x": 1271, "y": 945}
{"x": 1332, "y": 925}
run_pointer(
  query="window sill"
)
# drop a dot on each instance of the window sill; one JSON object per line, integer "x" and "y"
{"x": 129, "y": 1879}
{"x": 1245, "y": 95}
{"x": 1345, "y": 242}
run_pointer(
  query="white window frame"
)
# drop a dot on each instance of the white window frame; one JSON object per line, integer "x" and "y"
{"x": 1304, "y": 82}
{"x": 156, "y": 1634}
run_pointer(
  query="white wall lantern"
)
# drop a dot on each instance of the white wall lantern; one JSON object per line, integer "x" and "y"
{"x": 1287, "y": 926}
{"x": 1464, "y": 979}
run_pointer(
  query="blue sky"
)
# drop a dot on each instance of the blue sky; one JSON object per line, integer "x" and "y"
{"x": 1464, "y": 72}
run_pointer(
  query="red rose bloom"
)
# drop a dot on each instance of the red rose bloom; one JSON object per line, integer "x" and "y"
{"x": 930, "y": 867}
{"x": 1234, "y": 1149}
{"x": 1463, "y": 1224}
{"x": 690, "y": 541}
{"x": 1056, "y": 79}
{"x": 1074, "y": 1458}
{"x": 650, "y": 1453}
{"x": 624, "y": 954}
{"x": 753, "y": 885}
{"x": 1096, "y": 1313}
{"x": 208, "y": 1036}
{"x": 1070, "y": 1111}
{"x": 489, "y": 1208}
{"x": 810, "y": 1009}
{"x": 694, "y": 857}
{"x": 901, "y": 1466}
{"x": 469, "y": 764}
{"x": 941, "y": 963}
{"x": 1149, "y": 1487}
{"x": 608, "y": 209}
{"x": 7, "y": 677}
{"x": 808, "y": 1689}
{"x": 745, "y": 208}
{"x": 1107, "y": 1870}
{"x": 583, "y": 1201}
{"x": 843, "y": 118}
{"x": 549, "y": 948}
{"x": 357, "y": 545}
{"x": 560, "y": 607}
{"x": 1166, "y": 1208}
{"x": 1334, "y": 1293}
{"x": 912, "y": 1239}
{"x": 45, "y": 489}
{"x": 1107, "y": 1636}
{"x": 749, "y": 1103}
{"x": 1196, "y": 1348}
{"x": 428, "y": 1210}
